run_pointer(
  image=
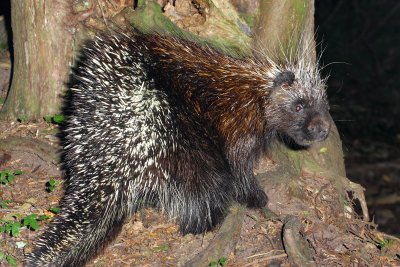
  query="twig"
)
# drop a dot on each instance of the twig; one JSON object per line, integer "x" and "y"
{"x": 265, "y": 253}
{"x": 283, "y": 255}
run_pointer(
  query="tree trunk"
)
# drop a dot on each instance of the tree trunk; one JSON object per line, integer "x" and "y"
{"x": 43, "y": 53}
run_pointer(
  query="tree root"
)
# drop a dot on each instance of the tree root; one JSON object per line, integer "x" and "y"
{"x": 346, "y": 184}
{"x": 296, "y": 247}
{"x": 225, "y": 239}
{"x": 358, "y": 191}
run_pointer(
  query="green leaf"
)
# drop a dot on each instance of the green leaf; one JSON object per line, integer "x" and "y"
{"x": 22, "y": 119}
{"x": 55, "y": 210}
{"x": 18, "y": 172}
{"x": 34, "y": 225}
{"x": 4, "y": 203}
{"x": 15, "y": 229}
{"x": 28, "y": 219}
{"x": 58, "y": 118}
{"x": 7, "y": 176}
{"x": 51, "y": 185}
{"x": 10, "y": 177}
{"x": 43, "y": 217}
{"x": 32, "y": 221}
{"x": 11, "y": 260}
{"x": 1, "y": 255}
{"x": 213, "y": 264}
{"x": 222, "y": 261}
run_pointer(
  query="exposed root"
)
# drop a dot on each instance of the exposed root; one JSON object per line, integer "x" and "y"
{"x": 358, "y": 191}
{"x": 296, "y": 247}
{"x": 225, "y": 239}
{"x": 275, "y": 257}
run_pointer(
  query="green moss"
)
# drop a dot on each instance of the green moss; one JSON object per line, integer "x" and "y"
{"x": 148, "y": 18}
{"x": 3, "y": 46}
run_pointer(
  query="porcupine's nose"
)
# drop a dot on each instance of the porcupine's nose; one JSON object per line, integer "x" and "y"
{"x": 318, "y": 128}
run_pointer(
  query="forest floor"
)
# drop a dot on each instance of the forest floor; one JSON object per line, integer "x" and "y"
{"x": 149, "y": 239}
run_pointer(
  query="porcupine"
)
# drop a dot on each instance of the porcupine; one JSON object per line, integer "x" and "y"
{"x": 156, "y": 120}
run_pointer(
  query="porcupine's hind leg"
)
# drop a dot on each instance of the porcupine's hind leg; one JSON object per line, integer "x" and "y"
{"x": 202, "y": 201}
{"x": 199, "y": 190}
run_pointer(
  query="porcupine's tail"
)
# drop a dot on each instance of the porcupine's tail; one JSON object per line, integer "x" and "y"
{"x": 77, "y": 234}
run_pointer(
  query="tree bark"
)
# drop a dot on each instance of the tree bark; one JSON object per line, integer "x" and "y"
{"x": 285, "y": 27}
{"x": 43, "y": 52}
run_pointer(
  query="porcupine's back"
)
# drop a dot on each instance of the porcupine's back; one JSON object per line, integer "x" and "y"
{"x": 127, "y": 145}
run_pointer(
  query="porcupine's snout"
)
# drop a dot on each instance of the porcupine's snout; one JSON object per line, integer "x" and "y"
{"x": 318, "y": 128}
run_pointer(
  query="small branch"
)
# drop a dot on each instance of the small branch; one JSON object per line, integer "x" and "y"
{"x": 283, "y": 255}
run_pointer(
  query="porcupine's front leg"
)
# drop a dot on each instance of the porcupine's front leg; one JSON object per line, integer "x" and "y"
{"x": 242, "y": 156}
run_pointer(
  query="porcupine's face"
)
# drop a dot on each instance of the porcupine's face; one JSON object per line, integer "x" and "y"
{"x": 302, "y": 106}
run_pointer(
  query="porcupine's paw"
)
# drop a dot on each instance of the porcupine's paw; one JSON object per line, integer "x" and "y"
{"x": 256, "y": 198}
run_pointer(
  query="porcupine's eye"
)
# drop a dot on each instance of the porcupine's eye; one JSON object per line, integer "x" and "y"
{"x": 298, "y": 107}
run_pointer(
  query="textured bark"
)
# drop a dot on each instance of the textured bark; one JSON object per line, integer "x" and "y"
{"x": 283, "y": 25}
{"x": 42, "y": 58}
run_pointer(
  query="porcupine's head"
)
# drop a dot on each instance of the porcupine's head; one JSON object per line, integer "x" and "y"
{"x": 300, "y": 104}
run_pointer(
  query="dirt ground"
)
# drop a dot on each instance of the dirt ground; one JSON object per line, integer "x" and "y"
{"x": 148, "y": 239}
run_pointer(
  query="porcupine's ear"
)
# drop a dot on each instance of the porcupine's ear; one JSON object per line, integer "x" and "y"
{"x": 285, "y": 78}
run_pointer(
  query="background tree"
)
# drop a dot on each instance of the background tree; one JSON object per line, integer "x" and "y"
{"x": 43, "y": 51}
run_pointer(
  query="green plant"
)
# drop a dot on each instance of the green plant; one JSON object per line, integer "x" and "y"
{"x": 4, "y": 203}
{"x": 10, "y": 227}
{"x": 57, "y": 119}
{"x": 51, "y": 185}
{"x": 13, "y": 227}
{"x": 31, "y": 221}
{"x": 221, "y": 262}
{"x": 8, "y": 176}
{"x": 55, "y": 210}
{"x": 9, "y": 258}
{"x": 385, "y": 243}
{"x": 22, "y": 119}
